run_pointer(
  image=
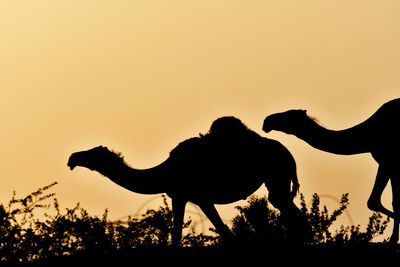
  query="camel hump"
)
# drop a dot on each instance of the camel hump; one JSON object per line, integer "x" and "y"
{"x": 227, "y": 125}
{"x": 223, "y": 131}
{"x": 229, "y": 128}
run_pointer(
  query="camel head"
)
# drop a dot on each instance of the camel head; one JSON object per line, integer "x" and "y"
{"x": 94, "y": 158}
{"x": 287, "y": 122}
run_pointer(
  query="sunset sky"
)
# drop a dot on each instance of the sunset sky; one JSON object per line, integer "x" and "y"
{"x": 141, "y": 76}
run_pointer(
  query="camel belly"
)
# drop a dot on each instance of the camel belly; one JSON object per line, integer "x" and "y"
{"x": 233, "y": 193}
{"x": 219, "y": 189}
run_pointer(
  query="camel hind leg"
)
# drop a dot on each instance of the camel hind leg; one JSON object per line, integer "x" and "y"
{"x": 395, "y": 182}
{"x": 280, "y": 197}
{"x": 374, "y": 202}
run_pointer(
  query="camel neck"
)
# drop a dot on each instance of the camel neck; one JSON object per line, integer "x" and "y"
{"x": 146, "y": 181}
{"x": 345, "y": 142}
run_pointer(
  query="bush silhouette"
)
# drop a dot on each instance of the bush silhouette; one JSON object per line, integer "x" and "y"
{"x": 154, "y": 229}
{"x": 26, "y": 234}
{"x": 259, "y": 224}
{"x": 34, "y": 228}
{"x": 320, "y": 222}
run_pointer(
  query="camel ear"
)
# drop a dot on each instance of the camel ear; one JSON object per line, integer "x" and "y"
{"x": 304, "y": 110}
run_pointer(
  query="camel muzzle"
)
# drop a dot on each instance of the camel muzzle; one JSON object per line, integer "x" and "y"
{"x": 71, "y": 164}
{"x": 71, "y": 167}
{"x": 266, "y": 128}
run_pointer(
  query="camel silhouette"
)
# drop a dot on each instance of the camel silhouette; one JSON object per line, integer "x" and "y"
{"x": 227, "y": 164}
{"x": 378, "y": 135}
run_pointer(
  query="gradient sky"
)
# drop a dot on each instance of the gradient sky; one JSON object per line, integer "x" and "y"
{"x": 141, "y": 76}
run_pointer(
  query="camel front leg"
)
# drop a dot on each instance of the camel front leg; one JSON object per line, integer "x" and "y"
{"x": 374, "y": 202}
{"x": 178, "y": 210}
{"x": 212, "y": 214}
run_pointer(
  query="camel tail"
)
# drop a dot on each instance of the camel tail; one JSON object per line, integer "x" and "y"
{"x": 295, "y": 187}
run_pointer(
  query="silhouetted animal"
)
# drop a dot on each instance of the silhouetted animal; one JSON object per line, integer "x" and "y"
{"x": 378, "y": 135}
{"x": 227, "y": 164}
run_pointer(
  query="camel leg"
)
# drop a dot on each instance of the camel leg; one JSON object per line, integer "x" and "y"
{"x": 374, "y": 201}
{"x": 212, "y": 214}
{"x": 294, "y": 219}
{"x": 279, "y": 196}
{"x": 178, "y": 210}
{"x": 395, "y": 182}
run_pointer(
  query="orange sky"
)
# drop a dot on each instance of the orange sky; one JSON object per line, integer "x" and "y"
{"x": 141, "y": 76}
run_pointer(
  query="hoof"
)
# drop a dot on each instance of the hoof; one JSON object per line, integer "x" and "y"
{"x": 375, "y": 205}
{"x": 378, "y": 207}
{"x": 393, "y": 241}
